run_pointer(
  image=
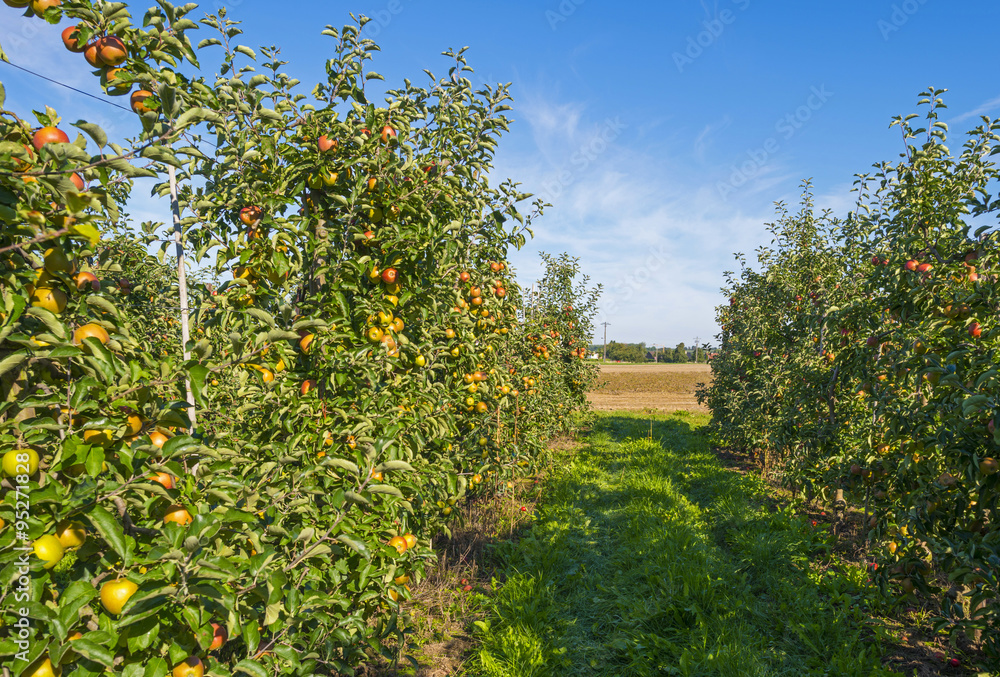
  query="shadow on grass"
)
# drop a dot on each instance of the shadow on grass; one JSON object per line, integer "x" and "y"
{"x": 651, "y": 558}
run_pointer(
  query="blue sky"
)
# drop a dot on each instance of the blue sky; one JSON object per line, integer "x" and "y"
{"x": 662, "y": 133}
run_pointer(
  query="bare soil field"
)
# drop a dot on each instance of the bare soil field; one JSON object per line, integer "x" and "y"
{"x": 637, "y": 387}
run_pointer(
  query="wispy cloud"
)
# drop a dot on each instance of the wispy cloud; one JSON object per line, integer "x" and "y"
{"x": 991, "y": 105}
{"x": 657, "y": 239}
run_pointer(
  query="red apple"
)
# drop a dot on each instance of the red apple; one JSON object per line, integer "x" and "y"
{"x": 326, "y": 143}
{"x": 48, "y": 135}
{"x": 71, "y": 39}
{"x": 250, "y": 215}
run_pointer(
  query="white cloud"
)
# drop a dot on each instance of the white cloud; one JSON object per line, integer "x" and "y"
{"x": 650, "y": 232}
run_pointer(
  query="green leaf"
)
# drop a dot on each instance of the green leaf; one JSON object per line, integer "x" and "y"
{"x": 263, "y": 316}
{"x": 394, "y": 465}
{"x": 281, "y": 335}
{"x": 193, "y": 116}
{"x": 197, "y": 375}
{"x": 88, "y": 231}
{"x": 251, "y": 634}
{"x": 342, "y": 463}
{"x": 52, "y": 322}
{"x": 246, "y": 51}
{"x": 111, "y": 531}
{"x": 385, "y": 489}
{"x": 63, "y": 351}
{"x": 12, "y": 361}
{"x": 156, "y": 667}
{"x": 93, "y": 131}
{"x": 93, "y": 651}
{"x": 357, "y": 546}
{"x": 161, "y": 154}
{"x": 104, "y": 305}
{"x": 128, "y": 169}
{"x": 251, "y": 667}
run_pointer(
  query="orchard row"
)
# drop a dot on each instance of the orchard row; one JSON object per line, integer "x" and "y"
{"x": 241, "y": 467}
{"x": 860, "y": 360}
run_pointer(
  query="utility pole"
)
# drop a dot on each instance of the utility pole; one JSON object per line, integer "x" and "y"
{"x": 696, "y": 344}
{"x": 606, "y": 340}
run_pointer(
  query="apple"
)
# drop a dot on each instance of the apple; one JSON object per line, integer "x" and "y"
{"x": 178, "y": 515}
{"x": 399, "y": 543}
{"x": 71, "y": 39}
{"x": 48, "y": 135}
{"x": 87, "y": 279}
{"x": 39, "y": 6}
{"x": 390, "y": 276}
{"x": 189, "y": 667}
{"x": 17, "y": 461}
{"x": 111, "y": 50}
{"x": 43, "y": 666}
{"x": 924, "y": 268}
{"x": 139, "y": 99}
{"x": 219, "y": 636}
{"x": 90, "y": 330}
{"x": 989, "y": 466}
{"x": 92, "y": 55}
{"x": 305, "y": 341}
{"x": 975, "y": 330}
{"x": 163, "y": 479}
{"x": 388, "y": 134}
{"x": 306, "y": 386}
{"x": 911, "y": 264}
{"x": 48, "y": 549}
{"x": 464, "y": 276}
{"x": 115, "y": 594}
{"x": 325, "y": 143}
{"x": 250, "y": 215}
{"x": 71, "y": 534}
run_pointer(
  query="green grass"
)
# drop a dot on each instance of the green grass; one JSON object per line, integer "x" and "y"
{"x": 649, "y": 558}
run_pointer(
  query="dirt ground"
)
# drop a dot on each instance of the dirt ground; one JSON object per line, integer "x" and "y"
{"x": 636, "y": 387}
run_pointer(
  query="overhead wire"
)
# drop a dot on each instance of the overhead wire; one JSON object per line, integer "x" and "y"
{"x": 63, "y": 84}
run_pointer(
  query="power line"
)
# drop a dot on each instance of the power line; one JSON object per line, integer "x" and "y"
{"x": 62, "y": 84}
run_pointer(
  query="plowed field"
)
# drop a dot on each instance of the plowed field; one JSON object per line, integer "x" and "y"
{"x": 662, "y": 387}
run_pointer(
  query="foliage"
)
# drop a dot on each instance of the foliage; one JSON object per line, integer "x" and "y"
{"x": 861, "y": 360}
{"x": 359, "y": 358}
{"x": 626, "y": 352}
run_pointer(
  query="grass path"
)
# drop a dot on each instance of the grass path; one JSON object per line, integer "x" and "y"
{"x": 650, "y": 558}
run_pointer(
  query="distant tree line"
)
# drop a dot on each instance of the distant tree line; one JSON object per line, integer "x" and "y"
{"x": 639, "y": 352}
